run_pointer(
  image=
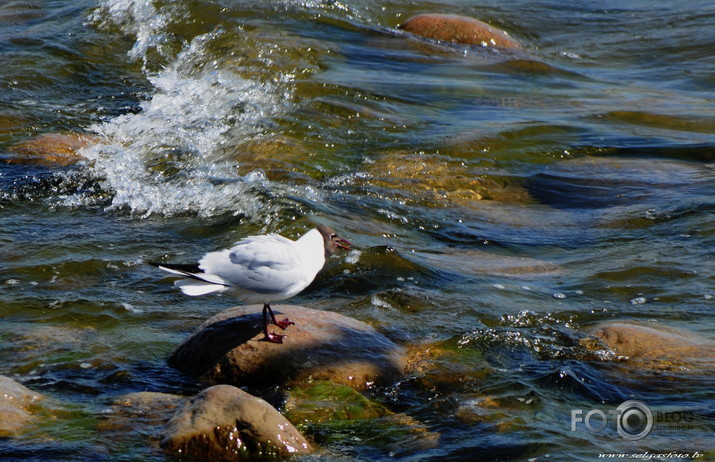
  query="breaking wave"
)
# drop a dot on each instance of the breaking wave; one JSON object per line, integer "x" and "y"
{"x": 177, "y": 154}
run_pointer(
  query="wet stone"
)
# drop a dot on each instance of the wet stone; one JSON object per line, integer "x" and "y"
{"x": 51, "y": 149}
{"x": 225, "y": 423}
{"x": 322, "y": 345}
{"x": 324, "y": 401}
{"x": 655, "y": 347}
{"x": 458, "y": 29}
{"x": 481, "y": 262}
{"x": 593, "y": 182}
{"x": 336, "y": 414}
{"x": 278, "y": 157}
{"x": 15, "y": 406}
{"x": 142, "y": 412}
{"x": 435, "y": 181}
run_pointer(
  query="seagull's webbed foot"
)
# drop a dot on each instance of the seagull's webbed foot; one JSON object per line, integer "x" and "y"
{"x": 273, "y": 338}
{"x": 283, "y": 324}
{"x": 270, "y": 336}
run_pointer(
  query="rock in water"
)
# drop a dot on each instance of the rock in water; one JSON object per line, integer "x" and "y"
{"x": 458, "y": 29}
{"x": 226, "y": 423}
{"x": 15, "y": 400}
{"x": 51, "y": 149}
{"x": 142, "y": 412}
{"x": 320, "y": 346}
{"x": 656, "y": 346}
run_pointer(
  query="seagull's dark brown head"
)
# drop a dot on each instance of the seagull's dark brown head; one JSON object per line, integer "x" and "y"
{"x": 332, "y": 241}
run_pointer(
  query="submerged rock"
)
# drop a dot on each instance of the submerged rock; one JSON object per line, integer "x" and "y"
{"x": 458, "y": 29}
{"x": 498, "y": 412}
{"x": 322, "y": 345}
{"x": 593, "y": 182}
{"x": 277, "y": 157}
{"x": 323, "y": 401}
{"x": 226, "y": 423}
{"x": 142, "y": 412}
{"x": 20, "y": 12}
{"x": 653, "y": 347}
{"x": 481, "y": 262}
{"x": 51, "y": 149}
{"x": 334, "y": 413}
{"x": 15, "y": 406}
{"x": 436, "y": 181}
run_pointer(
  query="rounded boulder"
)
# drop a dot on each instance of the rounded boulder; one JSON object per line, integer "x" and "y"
{"x": 322, "y": 345}
{"x": 458, "y": 29}
{"x": 226, "y": 423}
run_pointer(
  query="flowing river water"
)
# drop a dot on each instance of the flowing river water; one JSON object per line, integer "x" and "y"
{"x": 499, "y": 202}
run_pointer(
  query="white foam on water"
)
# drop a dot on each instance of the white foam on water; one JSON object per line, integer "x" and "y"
{"x": 175, "y": 154}
{"x": 141, "y": 19}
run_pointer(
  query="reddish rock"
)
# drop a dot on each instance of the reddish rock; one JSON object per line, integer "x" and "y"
{"x": 458, "y": 29}
{"x": 51, "y": 149}
{"x": 322, "y": 345}
{"x": 226, "y": 423}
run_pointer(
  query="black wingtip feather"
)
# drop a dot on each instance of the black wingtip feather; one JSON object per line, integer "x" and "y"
{"x": 188, "y": 268}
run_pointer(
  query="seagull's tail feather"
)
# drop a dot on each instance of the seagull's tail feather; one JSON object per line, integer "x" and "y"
{"x": 198, "y": 282}
{"x": 195, "y": 288}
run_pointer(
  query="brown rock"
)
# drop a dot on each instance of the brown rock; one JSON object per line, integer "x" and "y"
{"x": 51, "y": 149}
{"x": 225, "y": 423}
{"x": 10, "y": 122}
{"x": 458, "y": 29}
{"x": 15, "y": 402}
{"x": 321, "y": 345}
{"x": 437, "y": 181}
{"x": 657, "y": 347}
{"x": 278, "y": 157}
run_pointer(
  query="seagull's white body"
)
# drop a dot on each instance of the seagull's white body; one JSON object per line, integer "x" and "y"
{"x": 258, "y": 269}
{"x": 261, "y": 269}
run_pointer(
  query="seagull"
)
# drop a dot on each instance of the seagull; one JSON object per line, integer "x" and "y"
{"x": 261, "y": 269}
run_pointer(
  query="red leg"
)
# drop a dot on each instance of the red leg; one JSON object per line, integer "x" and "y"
{"x": 282, "y": 324}
{"x": 270, "y": 336}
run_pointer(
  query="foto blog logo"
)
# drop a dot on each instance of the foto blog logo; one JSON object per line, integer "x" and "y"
{"x": 633, "y": 419}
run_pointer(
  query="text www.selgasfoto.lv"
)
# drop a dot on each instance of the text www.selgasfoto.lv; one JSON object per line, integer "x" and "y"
{"x": 651, "y": 455}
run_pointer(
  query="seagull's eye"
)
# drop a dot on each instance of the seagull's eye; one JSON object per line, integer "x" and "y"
{"x": 333, "y": 236}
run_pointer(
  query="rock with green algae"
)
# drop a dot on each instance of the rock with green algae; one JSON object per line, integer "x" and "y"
{"x": 333, "y": 413}
{"x": 225, "y": 423}
{"x": 445, "y": 367}
{"x": 16, "y": 407}
{"x": 323, "y": 401}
